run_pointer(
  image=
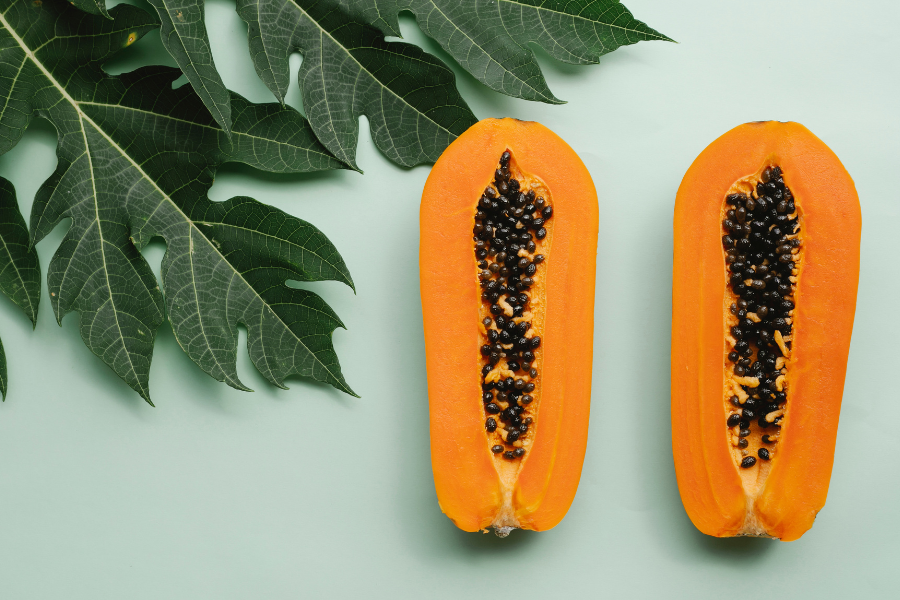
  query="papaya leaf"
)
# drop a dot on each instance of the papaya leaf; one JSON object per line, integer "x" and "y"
{"x": 136, "y": 159}
{"x": 20, "y": 273}
{"x": 184, "y": 36}
{"x": 349, "y": 69}
{"x": 489, "y": 39}
{"x": 95, "y": 7}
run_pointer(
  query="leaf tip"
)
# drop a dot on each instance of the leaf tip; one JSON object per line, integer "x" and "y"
{"x": 239, "y": 386}
{"x": 348, "y": 160}
{"x": 664, "y": 38}
{"x": 142, "y": 391}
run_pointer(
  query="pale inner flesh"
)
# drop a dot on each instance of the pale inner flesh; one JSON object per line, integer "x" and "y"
{"x": 747, "y": 386}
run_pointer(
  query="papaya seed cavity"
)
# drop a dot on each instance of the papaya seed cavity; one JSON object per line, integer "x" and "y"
{"x": 511, "y": 243}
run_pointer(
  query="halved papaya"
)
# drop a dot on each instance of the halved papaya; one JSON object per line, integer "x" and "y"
{"x": 507, "y": 256}
{"x": 766, "y": 264}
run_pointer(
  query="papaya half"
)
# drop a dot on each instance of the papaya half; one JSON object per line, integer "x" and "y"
{"x": 766, "y": 265}
{"x": 507, "y": 258}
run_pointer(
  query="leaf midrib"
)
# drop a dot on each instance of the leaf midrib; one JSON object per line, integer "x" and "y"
{"x": 658, "y": 36}
{"x": 292, "y": 244}
{"x": 32, "y": 313}
{"x": 214, "y": 355}
{"x": 144, "y": 392}
{"x": 85, "y": 117}
{"x": 13, "y": 85}
{"x": 199, "y": 76}
{"x": 195, "y": 124}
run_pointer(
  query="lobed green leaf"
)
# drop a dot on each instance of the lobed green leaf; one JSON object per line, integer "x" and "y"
{"x": 20, "y": 273}
{"x": 349, "y": 70}
{"x": 136, "y": 159}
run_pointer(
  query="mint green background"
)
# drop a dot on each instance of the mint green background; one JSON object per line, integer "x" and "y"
{"x": 309, "y": 493}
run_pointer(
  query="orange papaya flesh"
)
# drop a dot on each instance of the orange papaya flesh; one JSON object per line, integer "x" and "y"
{"x": 766, "y": 265}
{"x": 507, "y": 260}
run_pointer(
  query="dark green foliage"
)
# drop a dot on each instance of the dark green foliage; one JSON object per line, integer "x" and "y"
{"x": 135, "y": 161}
{"x": 410, "y": 98}
{"x": 20, "y": 273}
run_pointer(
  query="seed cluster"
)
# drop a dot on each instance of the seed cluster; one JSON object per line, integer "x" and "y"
{"x": 510, "y": 223}
{"x": 762, "y": 242}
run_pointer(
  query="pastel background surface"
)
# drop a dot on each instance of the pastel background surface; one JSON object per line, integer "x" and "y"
{"x": 309, "y": 493}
